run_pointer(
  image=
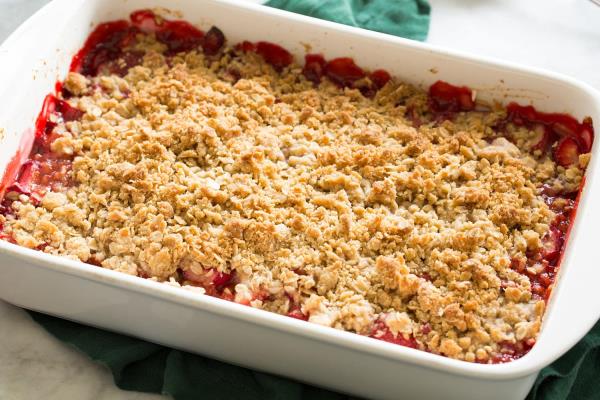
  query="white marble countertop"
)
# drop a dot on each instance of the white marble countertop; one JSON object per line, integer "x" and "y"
{"x": 560, "y": 35}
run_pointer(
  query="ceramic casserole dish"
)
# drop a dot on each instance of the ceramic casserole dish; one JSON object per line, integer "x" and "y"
{"x": 38, "y": 54}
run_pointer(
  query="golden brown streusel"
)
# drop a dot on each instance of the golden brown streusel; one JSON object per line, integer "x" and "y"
{"x": 314, "y": 196}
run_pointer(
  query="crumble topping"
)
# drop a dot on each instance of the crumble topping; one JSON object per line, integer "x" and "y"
{"x": 316, "y": 199}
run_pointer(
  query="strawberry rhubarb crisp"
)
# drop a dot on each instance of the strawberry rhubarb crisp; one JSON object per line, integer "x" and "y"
{"x": 314, "y": 189}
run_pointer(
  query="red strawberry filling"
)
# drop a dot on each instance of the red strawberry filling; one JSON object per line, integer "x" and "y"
{"x": 381, "y": 331}
{"x": 573, "y": 138}
{"x": 512, "y": 351}
{"x": 213, "y": 281}
{"x": 178, "y": 36}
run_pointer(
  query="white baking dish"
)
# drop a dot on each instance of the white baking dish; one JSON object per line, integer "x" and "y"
{"x": 38, "y": 54}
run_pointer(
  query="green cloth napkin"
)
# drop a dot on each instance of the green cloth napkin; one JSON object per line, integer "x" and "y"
{"x": 406, "y": 18}
{"x": 145, "y": 367}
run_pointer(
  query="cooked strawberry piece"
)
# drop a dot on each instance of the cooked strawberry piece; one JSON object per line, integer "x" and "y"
{"x": 586, "y": 136}
{"x": 50, "y": 173}
{"x": 42, "y": 246}
{"x": 201, "y": 279}
{"x": 58, "y": 87}
{"x": 213, "y": 41}
{"x": 565, "y": 128}
{"x": 314, "y": 67}
{"x": 343, "y": 71}
{"x": 512, "y": 351}
{"x": 518, "y": 265}
{"x": 48, "y": 108}
{"x": 227, "y": 294}
{"x": 297, "y": 314}
{"x": 23, "y": 184}
{"x": 542, "y": 137}
{"x": 379, "y": 77}
{"x": 545, "y": 279}
{"x": 465, "y": 101}
{"x": 94, "y": 261}
{"x": 552, "y": 243}
{"x": 275, "y": 55}
{"x": 179, "y": 36}
{"x": 43, "y": 144}
{"x": 145, "y": 20}
{"x": 382, "y": 332}
{"x": 426, "y": 328}
{"x": 122, "y": 64}
{"x": 538, "y": 290}
{"x": 556, "y": 126}
{"x": 41, "y": 173}
{"x": 221, "y": 279}
{"x": 521, "y": 114}
{"x": 212, "y": 280}
{"x": 445, "y": 97}
{"x": 6, "y": 237}
{"x": 68, "y": 112}
{"x": 567, "y": 152}
{"x": 245, "y": 46}
{"x": 426, "y": 276}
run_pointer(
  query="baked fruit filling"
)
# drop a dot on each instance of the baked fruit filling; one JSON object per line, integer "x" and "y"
{"x": 315, "y": 189}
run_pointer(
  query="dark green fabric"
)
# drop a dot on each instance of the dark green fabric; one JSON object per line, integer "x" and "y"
{"x": 146, "y": 367}
{"x": 405, "y": 18}
{"x": 574, "y": 376}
